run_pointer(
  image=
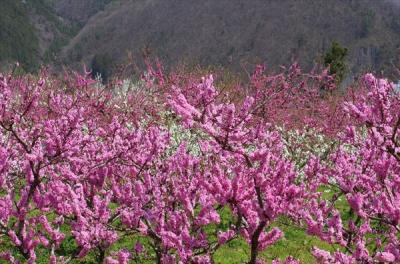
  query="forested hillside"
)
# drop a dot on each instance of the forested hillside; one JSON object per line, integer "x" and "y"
{"x": 32, "y": 33}
{"x": 226, "y": 32}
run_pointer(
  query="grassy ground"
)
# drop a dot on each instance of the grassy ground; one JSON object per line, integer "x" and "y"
{"x": 295, "y": 243}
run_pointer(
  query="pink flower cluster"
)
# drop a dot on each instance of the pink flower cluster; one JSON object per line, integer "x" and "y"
{"x": 76, "y": 166}
{"x": 365, "y": 172}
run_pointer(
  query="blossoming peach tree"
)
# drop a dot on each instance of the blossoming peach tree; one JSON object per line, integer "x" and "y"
{"x": 82, "y": 166}
{"x": 365, "y": 171}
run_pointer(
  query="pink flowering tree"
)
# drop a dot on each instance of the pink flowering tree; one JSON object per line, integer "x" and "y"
{"x": 364, "y": 172}
{"x": 178, "y": 168}
{"x": 75, "y": 165}
{"x": 52, "y": 166}
{"x": 248, "y": 172}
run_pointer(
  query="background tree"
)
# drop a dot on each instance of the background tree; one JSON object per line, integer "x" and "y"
{"x": 335, "y": 59}
{"x": 102, "y": 64}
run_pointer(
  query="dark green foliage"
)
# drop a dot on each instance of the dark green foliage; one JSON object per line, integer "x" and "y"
{"x": 395, "y": 24}
{"x": 100, "y": 4}
{"x": 367, "y": 22}
{"x": 18, "y": 39}
{"x": 335, "y": 59}
{"x": 102, "y": 64}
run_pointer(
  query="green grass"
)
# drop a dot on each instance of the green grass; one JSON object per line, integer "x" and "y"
{"x": 295, "y": 243}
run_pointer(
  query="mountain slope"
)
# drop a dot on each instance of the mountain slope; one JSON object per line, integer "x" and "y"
{"x": 32, "y": 33}
{"x": 228, "y": 32}
{"x": 79, "y": 10}
{"x": 18, "y": 40}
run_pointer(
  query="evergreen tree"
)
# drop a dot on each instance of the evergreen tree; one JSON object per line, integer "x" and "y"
{"x": 102, "y": 65}
{"x": 335, "y": 59}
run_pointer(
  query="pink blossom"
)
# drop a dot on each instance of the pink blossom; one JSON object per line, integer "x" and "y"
{"x": 385, "y": 257}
